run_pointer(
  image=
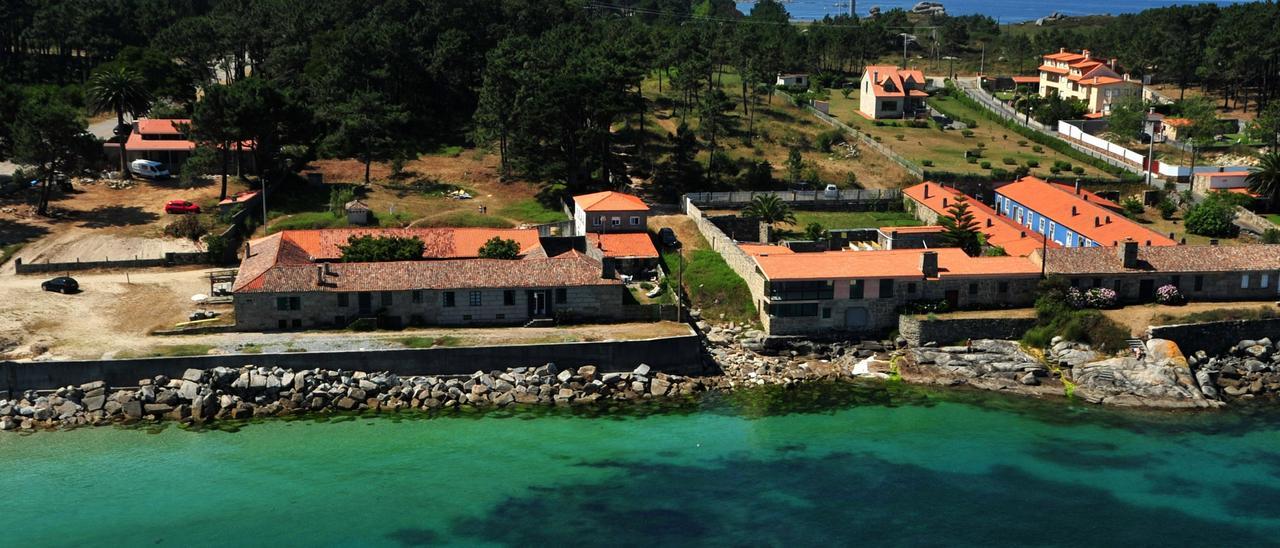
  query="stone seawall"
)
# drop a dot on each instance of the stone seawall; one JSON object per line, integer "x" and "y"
{"x": 1215, "y": 337}
{"x": 677, "y": 355}
{"x": 918, "y": 330}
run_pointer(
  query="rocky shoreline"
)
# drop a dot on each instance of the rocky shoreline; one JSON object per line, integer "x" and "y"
{"x": 1158, "y": 377}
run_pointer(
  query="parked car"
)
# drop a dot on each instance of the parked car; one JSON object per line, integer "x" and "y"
{"x": 831, "y": 192}
{"x": 149, "y": 169}
{"x": 668, "y": 238}
{"x": 61, "y": 284}
{"x": 180, "y": 207}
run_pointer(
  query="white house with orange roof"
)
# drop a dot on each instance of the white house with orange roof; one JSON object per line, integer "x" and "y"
{"x": 890, "y": 92}
{"x": 166, "y": 141}
{"x": 616, "y": 226}
{"x": 1094, "y": 82}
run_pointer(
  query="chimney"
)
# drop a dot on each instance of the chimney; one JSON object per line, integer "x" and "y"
{"x": 1097, "y": 222}
{"x": 989, "y": 223}
{"x": 929, "y": 264}
{"x": 1022, "y": 234}
{"x": 1112, "y": 63}
{"x": 1108, "y": 219}
{"x": 944, "y": 202}
{"x": 1085, "y": 196}
{"x": 926, "y": 191}
{"x": 1129, "y": 253}
{"x": 319, "y": 275}
{"x": 1077, "y": 186}
{"x": 1087, "y": 54}
{"x": 1062, "y": 50}
{"x": 1074, "y": 212}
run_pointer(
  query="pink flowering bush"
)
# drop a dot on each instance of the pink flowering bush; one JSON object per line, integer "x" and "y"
{"x": 1169, "y": 294}
{"x": 1097, "y": 297}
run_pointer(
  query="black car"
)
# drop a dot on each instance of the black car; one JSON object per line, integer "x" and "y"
{"x": 668, "y": 238}
{"x": 61, "y": 284}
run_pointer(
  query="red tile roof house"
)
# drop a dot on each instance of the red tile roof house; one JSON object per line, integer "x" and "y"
{"x": 1081, "y": 76}
{"x": 862, "y": 291}
{"x": 1070, "y": 218}
{"x": 616, "y": 226}
{"x": 890, "y": 92}
{"x": 293, "y": 280}
{"x": 163, "y": 140}
{"x": 931, "y": 201}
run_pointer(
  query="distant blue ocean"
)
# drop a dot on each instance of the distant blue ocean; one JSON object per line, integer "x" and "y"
{"x": 1007, "y": 11}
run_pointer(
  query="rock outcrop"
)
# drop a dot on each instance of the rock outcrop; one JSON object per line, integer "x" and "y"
{"x": 988, "y": 364}
{"x": 1161, "y": 377}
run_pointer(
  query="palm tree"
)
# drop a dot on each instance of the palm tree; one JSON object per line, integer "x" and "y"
{"x": 769, "y": 209}
{"x": 1264, "y": 178}
{"x": 123, "y": 91}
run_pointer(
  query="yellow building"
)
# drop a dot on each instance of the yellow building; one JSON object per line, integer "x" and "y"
{"x": 1079, "y": 76}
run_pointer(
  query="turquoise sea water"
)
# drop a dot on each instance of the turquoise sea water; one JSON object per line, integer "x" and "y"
{"x": 835, "y": 464}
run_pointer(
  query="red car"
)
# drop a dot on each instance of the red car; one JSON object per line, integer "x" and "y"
{"x": 180, "y": 206}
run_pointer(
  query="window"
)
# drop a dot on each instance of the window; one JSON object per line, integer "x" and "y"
{"x": 282, "y": 303}
{"x": 826, "y": 313}
{"x": 417, "y": 295}
{"x": 283, "y": 324}
{"x": 617, "y": 221}
{"x": 856, "y": 289}
{"x": 466, "y": 317}
{"x": 973, "y": 289}
{"x": 297, "y": 323}
{"x": 793, "y": 310}
{"x": 800, "y": 291}
{"x": 386, "y": 298}
{"x": 1070, "y": 239}
{"x": 1041, "y": 228}
{"x": 911, "y": 288}
{"x": 886, "y": 289}
{"x": 344, "y": 299}
{"x": 1052, "y": 227}
{"x": 562, "y": 295}
{"x": 295, "y": 303}
{"x": 635, "y": 221}
{"x": 509, "y": 297}
{"x": 501, "y": 316}
{"x": 595, "y": 221}
{"x": 1003, "y": 287}
{"x": 1199, "y": 283}
{"x": 1265, "y": 281}
{"x": 473, "y": 298}
{"x": 1075, "y": 282}
{"x": 1097, "y": 282}
{"x": 1177, "y": 282}
{"x": 449, "y": 299}
{"x": 1244, "y": 281}
{"x": 889, "y": 105}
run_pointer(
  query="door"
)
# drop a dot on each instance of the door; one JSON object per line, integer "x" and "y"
{"x": 1146, "y": 290}
{"x": 855, "y": 318}
{"x": 953, "y": 299}
{"x": 365, "y": 302}
{"x": 539, "y": 303}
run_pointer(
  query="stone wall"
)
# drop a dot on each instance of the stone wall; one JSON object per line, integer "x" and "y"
{"x": 738, "y": 260}
{"x": 169, "y": 259}
{"x": 1215, "y": 337}
{"x": 681, "y": 355}
{"x": 742, "y": 229}
{"x": 918, "y": 330}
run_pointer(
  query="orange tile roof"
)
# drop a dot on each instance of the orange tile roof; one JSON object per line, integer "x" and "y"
{"x": 898, "y": 263}
{"x": 136, "y": 142}
{"x": 624, "y": 244}
{"x": 1053, "y": 69}
{"x": 1056, "y": 203}
{"x": 926, "y": 229}
{"x": 1026, "y": 79}
{"x": 896, "y": 78}
{"x": 1088, "y": 195}
{"x": 440, "y": 243}
{"x": 610, "y": 201}
{"x": 1177, "y": 122}
{"x": 239, "y": 197}
{"x": 161, "y": 126}
{"x": 1067, "y": 56}
{"x": 1000, "y": 231}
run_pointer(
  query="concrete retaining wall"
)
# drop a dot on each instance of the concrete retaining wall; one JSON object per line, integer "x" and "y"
{"x": 737, "y": 259}
{"x": 1215, "y": 337}
{"x": 679, "y": 355}
{"x": 919, "y": 330}
{"x": 169, "y": 259}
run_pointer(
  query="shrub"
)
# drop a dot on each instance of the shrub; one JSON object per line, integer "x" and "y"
{"x": 971, "y": 160}
{"x": 918, "y": 124}
{"x": 1037, "y": 148}
{"x": 1055, "y": 316}
{"x": 1022, "y": 142}
{"x": 1271, "y": 236}
{"x": 188, "y": 227}
{"x": 215, "y": 248}
{"x": 878, "y": 139}
{"x": 829, "y": 138}
{"x": 1096, "y": 297}
{"x": 926, "y": 163}
{"x": 1169, "y": 294}
{"x": 982, "y": 145}
{"x": 1009, "y": 161}
{"x": 974, "y": 153}
{"x": 878, "y": 123}
{"x": 967, "y": 132}
{"x": 1078, "y": 170}
{"x": 985, "y": 165}
{"x": 1055, "y": 170}
{"x": 1132, "y": 207}
{"x": 1033, "y": 163}
{"x": 900, "y": 137}
{"x": 1212, "y": 217}
{"x": 1168, "y": 208}
{"x": 999, "y": 173}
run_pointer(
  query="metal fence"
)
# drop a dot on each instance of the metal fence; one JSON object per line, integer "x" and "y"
{"x": 795, "y": 197}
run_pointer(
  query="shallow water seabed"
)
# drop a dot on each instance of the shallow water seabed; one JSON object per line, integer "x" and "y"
{"x": 869, "y": 463}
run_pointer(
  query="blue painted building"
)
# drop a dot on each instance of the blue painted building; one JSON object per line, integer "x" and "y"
{"x": 1069, "y": 219}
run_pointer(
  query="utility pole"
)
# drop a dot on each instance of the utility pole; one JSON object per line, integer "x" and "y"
{"x": 982, "y": 63}
{"x": 904, "y": 51}
{"x": 1151, "y": 143}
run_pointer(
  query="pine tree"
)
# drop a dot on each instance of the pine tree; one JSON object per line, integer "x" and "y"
{"x": 961, "y": 230}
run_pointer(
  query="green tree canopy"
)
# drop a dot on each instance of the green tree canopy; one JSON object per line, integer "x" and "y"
{"x": 372, "y": 249}
{"x": 500, "y": 248}
{"x": 1264, "y": 178}
{"x": 1213, "y": 216}
{"x": 122, "y": 91}
{"x": 960, "y": 229}
{"x": 769, "y": 209}
{"x": 51, "y": 136}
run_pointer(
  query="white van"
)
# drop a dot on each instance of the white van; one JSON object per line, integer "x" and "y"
{"x": 149, "y": 169}
{"x": 831, "y": 192}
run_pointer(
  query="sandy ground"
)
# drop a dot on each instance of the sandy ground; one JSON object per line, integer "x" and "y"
{"x": 91, "y": 245}
{"x": 114, "y": 311}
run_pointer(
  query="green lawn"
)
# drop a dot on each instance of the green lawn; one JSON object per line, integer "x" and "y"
{"x": 854, "y": 219}
{"x": 429, "y": 342}
{"x": 1274, "y": 218}
{"x": 532, "y": 211}
{"x": 169, "y": 351}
